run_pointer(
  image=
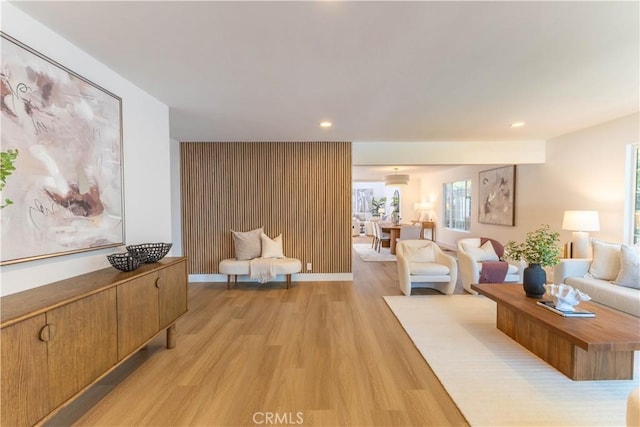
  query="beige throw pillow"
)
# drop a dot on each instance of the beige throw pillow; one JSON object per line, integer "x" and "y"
{"x": 247, "y": 244}
{"x": 606, "y": 260}
{"x": 422, "y": 254}
{"x": 482, "y": 253}
{"x": 271, "y": 248}
{"x": 629, "y": 275}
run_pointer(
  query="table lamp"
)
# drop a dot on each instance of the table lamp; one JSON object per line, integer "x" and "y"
{"x": 580, "y": 222}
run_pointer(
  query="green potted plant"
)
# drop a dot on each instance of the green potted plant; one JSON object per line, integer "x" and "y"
{"x": 539, "y": 249}
{"x": 395, "y": 204}
{"x": 376, "y": 205}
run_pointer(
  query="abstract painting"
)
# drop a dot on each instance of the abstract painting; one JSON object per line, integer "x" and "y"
{"x": 63, "y": 135}
{"x": 497, "y": 191}
{"x": 362, "y": 200}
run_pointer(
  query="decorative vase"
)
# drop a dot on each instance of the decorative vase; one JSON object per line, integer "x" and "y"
{"x": 533, "y": 281}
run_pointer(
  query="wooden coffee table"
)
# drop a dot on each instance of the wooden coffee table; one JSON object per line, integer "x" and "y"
{"x": 593, "y": 348}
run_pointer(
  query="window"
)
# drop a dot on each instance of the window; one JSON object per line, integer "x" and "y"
{"x": 457, "y": 205}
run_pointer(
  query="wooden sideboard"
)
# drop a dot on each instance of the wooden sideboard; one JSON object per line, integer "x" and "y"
{"x": 427, "y": 225}
{"x": 59, "y": 339}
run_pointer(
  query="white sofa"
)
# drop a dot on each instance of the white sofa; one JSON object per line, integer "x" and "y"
{"x": 422, "y": 261}
{"x": 471, "y": 264}
{"x": 596, "y": 278}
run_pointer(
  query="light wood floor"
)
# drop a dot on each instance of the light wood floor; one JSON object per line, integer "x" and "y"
{"x": 324, "y": 353}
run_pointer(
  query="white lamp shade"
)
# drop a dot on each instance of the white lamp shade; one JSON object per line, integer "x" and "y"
{"x": 395, "y": 180}
{"x": 581, "y": 221}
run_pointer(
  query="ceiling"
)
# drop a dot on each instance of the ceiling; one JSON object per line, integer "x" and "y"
{"x": 380, "y": 71}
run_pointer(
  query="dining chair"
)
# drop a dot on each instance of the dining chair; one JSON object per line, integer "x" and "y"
{"x": 374, "y": 230}
{"x": 410, "y": 232}
{"x": 382, "y": 236}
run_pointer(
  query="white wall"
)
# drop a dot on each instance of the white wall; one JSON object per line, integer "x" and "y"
{"x": 176, "y": 199}
{"x": 448, "y": 152}
{"x": 584, "y": 170}
{"x": 146, "y": 158}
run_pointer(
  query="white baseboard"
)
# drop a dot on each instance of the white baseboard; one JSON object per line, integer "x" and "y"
{"x": 447, "y": 246}
{"x": 301, "y": 277}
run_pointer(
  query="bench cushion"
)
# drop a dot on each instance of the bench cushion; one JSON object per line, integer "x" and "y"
{"x": 283, "y": 266}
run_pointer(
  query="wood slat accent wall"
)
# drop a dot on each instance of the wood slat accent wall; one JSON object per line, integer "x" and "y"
{"x": 299, "y": 189}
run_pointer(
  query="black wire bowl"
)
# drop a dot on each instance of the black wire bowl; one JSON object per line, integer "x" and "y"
{"x": 149, "y": 252}
{"x": 124, "y": 261}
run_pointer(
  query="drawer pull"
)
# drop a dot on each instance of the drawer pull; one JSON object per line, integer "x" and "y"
{"x": 158, "y": 283}
{"x": 45, "y": 333}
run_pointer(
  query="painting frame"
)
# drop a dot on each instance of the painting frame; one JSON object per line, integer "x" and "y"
{"x": 66, "y": 194}
{"x": 497, "y": 196}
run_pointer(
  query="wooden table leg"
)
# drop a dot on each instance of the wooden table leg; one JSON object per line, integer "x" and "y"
{"x": 171, "y": 336}
{"x": 393, "y": 235}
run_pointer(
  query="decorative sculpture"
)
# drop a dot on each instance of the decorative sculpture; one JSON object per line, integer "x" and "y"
{"x": 565, "y": 297}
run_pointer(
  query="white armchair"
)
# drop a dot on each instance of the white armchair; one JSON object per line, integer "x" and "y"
{"x": 422, "y": 261}
{"x": 470, "y": 257}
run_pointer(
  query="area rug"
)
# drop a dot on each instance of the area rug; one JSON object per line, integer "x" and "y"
{"x": 367, "y": 253}
{"x": 492, "y": 379}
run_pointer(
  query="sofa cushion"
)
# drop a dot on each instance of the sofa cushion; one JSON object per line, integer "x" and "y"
{"x": 271, "y": 248}
{"x": 247, "y": 244}
{"x": 603, "y": 292}
{"x": 419, "y": 254}
{"x": 282, "y": 266}
{"x": 606, "y": 261}
{"x": 482, "y": 253}
{"x": 629, "y": 275}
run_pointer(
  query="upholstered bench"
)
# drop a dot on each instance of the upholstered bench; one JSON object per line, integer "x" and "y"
{"x": 233, "y": 267}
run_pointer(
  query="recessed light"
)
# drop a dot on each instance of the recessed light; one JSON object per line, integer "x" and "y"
{"x": 326, "y": 124}
{"x": 517, "y": 124}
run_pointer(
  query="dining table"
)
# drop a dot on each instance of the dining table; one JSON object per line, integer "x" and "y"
{"x": 394, "y": 233}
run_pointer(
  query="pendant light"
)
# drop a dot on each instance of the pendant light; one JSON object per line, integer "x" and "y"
{"x": 396, "y": 179}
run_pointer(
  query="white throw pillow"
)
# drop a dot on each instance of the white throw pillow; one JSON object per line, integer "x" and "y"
{"x": 419, "y": 254}
{"x": 629, "y": 275}
{"x": 606, "y": 260}
{"x": 246, "y": 244}
{"x": 482, "y": 253}
{"x": 271, "y": 248}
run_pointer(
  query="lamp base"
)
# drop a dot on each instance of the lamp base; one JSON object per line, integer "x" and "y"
{"x": 580, "y": 245}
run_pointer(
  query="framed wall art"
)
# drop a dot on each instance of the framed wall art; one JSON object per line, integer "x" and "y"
{"x": 62, "y": 174}
{"x": 497, "y": 191}
{"x": 362, "y": 200}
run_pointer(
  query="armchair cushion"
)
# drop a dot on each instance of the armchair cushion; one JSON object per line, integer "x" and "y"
{"x": 482, "y": 253}
{"x": 419, "y": 254}
{"x": 428, "y": 268}
{"x": 497, "y": 246}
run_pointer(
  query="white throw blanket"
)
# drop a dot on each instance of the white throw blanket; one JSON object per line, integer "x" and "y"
{"x": 262, "y": 269}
